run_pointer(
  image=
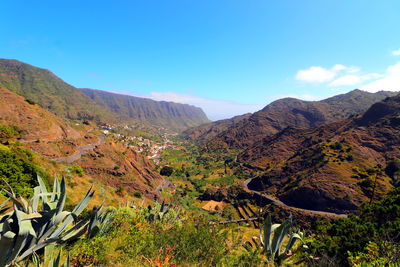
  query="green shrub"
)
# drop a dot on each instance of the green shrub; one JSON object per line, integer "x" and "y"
{"x": 372, "y": 222}
{"x": 131, "y": 240}
{"x": 137, "y": 194}
{"x": 30, "y": 101}
{"x": 376, "y": 254}
{"x": 17, "y": 169}
{"x": 166, "y": 171}
{"x": 77, "y": 170}
{"x": 336, "y": 146}
{"x": 6, "y": 133}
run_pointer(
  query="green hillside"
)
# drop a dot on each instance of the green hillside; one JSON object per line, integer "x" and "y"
{"x": 46, "y": 89}
{"x": 161, "y": 113}
{"x": 41, "y": 86}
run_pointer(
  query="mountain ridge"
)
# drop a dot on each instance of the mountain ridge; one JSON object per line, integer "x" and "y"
{"x": 334, "y": 166}
{"x": 292, "y": 112}
{"x": 163, "y": 113}
{"x": 48, "y": 90}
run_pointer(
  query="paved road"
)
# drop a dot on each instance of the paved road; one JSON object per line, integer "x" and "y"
{"x": 281, "y": 204}
{"x": 80, "y": 151}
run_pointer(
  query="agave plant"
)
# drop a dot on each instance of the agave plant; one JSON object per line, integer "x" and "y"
{"x": 51, "y": 261}
{"x": 41, "y": 221}
{"x": 272, "y": 237}
{"x": 158, "y": 212}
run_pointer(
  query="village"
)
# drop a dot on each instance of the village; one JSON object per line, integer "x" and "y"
{"x": 150, "y": 148}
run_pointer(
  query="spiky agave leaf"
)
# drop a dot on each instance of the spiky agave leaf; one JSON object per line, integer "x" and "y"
{"x": 25, "y": 230}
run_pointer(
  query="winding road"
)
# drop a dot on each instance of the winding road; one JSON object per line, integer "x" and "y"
{"x": 80, "y": 151}
{"x": 283, "y": 205}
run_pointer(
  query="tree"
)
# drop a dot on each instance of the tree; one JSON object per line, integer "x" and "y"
{"x": 166, "y": 171}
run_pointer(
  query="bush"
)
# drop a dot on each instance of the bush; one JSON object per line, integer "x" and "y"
{"x": 17, "y": 169}
{"x": 30, "y": 101}
{"x": 6, "y": 133}
{"x": 336, "y": 146}
{"x": 77, "y": 170}
{"x": 166, "y": 171}
{"x": 376, "y": 254}
{"x": 130, "y": 240}
{"x": 372, "y": 222}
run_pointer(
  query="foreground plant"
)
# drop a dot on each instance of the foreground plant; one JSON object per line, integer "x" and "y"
{"x": 163, "y": 213}
{"x": 41, "y": 221}
{"x": 50, "y": 261}
{"x": 272, "y": 237}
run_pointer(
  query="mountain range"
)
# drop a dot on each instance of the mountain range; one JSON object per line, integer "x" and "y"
{"x": 50, "y": 92}
{"x": 167, "y": 114}
{"x": 244, "y": 131}
{"x": 328, "y": 155}
{"x": 333, "y": 167}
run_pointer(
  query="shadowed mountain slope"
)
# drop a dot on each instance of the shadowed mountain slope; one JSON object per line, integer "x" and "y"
{"x": 212, "y": 129}
{"x": 332, "y": 167}
{"x": 291, "y": 112}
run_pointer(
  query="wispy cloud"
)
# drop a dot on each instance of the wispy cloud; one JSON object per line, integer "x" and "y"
{"x": 318, "y": 74}
{"x": 315, "y": 74}
{"x": 352, "y": 79}
{"x": 390, "y": 81}
{"x": 337, "y": 76}
{"x": 396, "y": 52}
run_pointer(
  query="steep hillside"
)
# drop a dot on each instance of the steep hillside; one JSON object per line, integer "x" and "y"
{"x": 212, "y": 129}
{"x": 290, "y": 112}
{"x": 166, "y": 114}
{"x": 50, "y": 92}
{"x": 61, "y": 146}
{"x": 332, "y": 167}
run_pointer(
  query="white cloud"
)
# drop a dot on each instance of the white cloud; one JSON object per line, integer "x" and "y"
{"x": 396, "y": 52}
{"x": 315, "y": 74}
{"x": 338, "y": 67}
{"x": 214, "y": 108}
{"x": 352, "y": 79}
{"x": 318, "y": 74}
{"x": 337, "y": 76}
{"x": 390, "y": 81}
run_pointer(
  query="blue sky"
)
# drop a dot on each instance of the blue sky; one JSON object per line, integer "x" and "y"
{"x": 227, "y": 56}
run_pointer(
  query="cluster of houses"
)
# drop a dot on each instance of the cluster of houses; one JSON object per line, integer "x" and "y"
{"x": 141, "y": 144}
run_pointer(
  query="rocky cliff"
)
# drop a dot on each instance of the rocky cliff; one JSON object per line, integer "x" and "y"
{"x": 162, "y": 113}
